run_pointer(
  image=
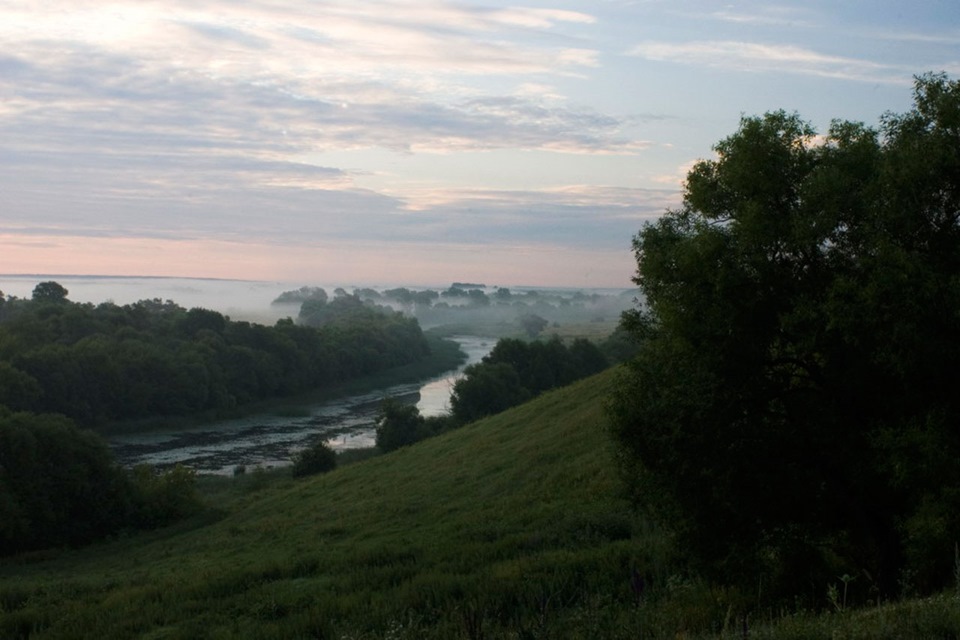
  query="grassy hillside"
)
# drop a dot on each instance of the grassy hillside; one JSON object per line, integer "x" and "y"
{"x": 479, "y": 527}
{"x": 511, "y": 527}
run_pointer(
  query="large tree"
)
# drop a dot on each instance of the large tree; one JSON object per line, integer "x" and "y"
{"x": 58, "y": 485}
{"x": 793, "y": 404}
{"x": 50, "y": 292}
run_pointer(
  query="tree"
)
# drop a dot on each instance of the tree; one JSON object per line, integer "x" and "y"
{"x": 18, "y": 391}
{"x": 164, "y": 496}
{"x": 425, "y": 298}
{"x": 398, "y": 425}
{"x": 301, "y": 295}
{"x": 532, "y": 324}
{"x": 587, "y": 358}
{"x": 790, "y": 403}
{"x": 58, "y": 485}
{"x": 485, "y": 389}
{"x": 400, "y": 294}
{"x": 319, "y": 458}
{"x": 49, "y": 292}
{"x": 198, "y": 319}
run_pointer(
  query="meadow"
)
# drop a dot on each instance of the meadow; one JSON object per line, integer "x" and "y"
{"x": 511, "y": 527}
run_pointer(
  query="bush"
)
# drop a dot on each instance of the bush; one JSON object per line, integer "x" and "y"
{"x": 164, "y": 496}
{"x": 58, "y": 485}
{"x": 319, "y": 458}
{"x": 398, "y": 425}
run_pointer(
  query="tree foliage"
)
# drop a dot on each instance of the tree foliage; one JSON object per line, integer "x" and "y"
{"x": 318, "y": 458}
{"x": 398, "y": 425}
{"x": 532, "y": 324}
{"x": 515, "y": 371}
{"x": 163, "y": 497}
{"x": 301, "y": 295}
{"x": 793, "y": 399}
{"x": 50, "y": 292}
{"x": 101, "y": 363}
{"x": 59, "y": 485}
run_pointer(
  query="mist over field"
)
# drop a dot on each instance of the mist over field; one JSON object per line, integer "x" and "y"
{"x": 252, "y": 300}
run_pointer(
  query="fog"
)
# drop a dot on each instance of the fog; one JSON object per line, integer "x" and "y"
{"x": 472, "y": 314}
{"x": 251, "y": 300}
{"x": 239, "y": 299}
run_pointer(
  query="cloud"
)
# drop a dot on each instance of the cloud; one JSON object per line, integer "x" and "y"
{"x": 758, "y": 57}
{"x": 295, "y": 38}
{"x": 375, "y": 263}
{"x": 288, "y": 78}
{"x": 951, "y": 38}
{"x": 562, "y": 235}
{"x": 171, "y": 124}
{"x": 679, "y": 177}
{"x": 539, "y": 18}
{"x": 582, "y": 216}
{"x": 791, "y": 17}
{"x": 301, "y": 204}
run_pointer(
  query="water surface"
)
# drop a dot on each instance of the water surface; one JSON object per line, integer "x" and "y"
{"x": 271, "y": 440}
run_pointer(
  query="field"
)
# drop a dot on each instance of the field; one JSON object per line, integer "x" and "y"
{"x": 511, "y": 527}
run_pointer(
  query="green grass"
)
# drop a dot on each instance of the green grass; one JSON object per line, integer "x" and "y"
{"x": 481, "y": 526}
{"x": 508, "y": 528}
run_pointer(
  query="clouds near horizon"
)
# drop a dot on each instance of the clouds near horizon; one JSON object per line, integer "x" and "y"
{"x": 274, "y": 123}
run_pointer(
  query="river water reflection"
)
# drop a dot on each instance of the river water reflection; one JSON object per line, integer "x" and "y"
{"x": 270, "y": 441}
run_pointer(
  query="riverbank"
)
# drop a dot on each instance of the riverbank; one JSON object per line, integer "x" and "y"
{"x": 269, "y": 438}
{"x": 445, "y": 355}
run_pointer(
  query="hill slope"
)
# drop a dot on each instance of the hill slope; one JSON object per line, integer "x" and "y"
{"x": 507, "y": 528}
{"x": 505, "y": 523}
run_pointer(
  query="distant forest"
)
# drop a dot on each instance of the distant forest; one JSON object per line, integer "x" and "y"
{"x": 499, "y": 310}
{"x": 102, "y": 363}
{"x": 65, "y": 365}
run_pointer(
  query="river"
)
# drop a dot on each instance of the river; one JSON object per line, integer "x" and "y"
{"x": 271, "y": 440}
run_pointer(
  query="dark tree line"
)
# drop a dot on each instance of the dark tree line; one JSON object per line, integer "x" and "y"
{"x": 153, "y": 358}
{"x": 793, "y": 410}
{"x": 513, "y": 372}
{"x": 60, "y": 486}
{"x": 63, "y": 364}
{"x": 516, "y": 371}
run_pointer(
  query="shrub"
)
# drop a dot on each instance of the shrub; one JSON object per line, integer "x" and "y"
{"x": 58, "y": 484}
{"x": 165, "y": 496}
{"x": 398, "y": 425}
{"x": 319, "y": 458}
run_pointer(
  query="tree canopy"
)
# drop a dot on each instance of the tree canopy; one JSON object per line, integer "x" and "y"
{"x": 398, "y": 425}
{"x": 793, "y": 401}
{"x": 60, "y": 486}
{"x": 97, "y": 364}
{"x": 515, "y": 371}
{"x": 50, "y": 292}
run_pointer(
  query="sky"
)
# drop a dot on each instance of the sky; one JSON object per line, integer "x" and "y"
{"x": 406, "y": 142}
